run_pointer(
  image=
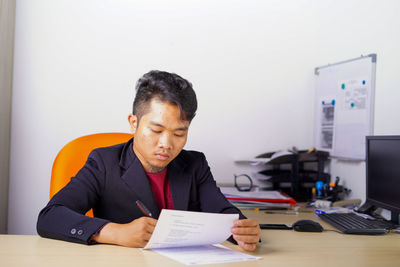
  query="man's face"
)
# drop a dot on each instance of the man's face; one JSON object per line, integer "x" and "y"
{"x": 160, "y": 135}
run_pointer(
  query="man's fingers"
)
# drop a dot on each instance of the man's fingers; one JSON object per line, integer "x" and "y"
{"x": 149, "y": 229}
{"x": 245, "y": 223}
{"x": 148, "y": 220}
{"x": 148, "y": 226}
{"x": 246, "y": 238}
{"x": 246, "y": 230}
{"x": 146, "y": 237}
{"x": 247, "y": 246}
{"x": 247, "y": 233}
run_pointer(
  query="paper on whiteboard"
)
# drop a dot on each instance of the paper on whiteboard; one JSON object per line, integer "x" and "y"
{"x": 354, "y": 94}
{"x": 176, "y": 228}
{"x": 326, "y": 123}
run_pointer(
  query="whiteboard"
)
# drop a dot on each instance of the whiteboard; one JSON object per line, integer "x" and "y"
{"x": 344, "y": 106}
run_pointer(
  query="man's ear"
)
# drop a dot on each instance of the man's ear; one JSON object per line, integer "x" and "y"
{"x": 133, "y": 122}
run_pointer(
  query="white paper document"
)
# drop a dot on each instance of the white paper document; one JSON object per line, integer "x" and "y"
{"x": 207, "y": 254}
{"x": 191, "y": 237}
{"x": 233, "y": 192}
{"x": 259, "y": 161}
{"x": 176, "y": 228}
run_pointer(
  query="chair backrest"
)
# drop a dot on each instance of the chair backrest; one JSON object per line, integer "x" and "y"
{"x": 73, "y": 156}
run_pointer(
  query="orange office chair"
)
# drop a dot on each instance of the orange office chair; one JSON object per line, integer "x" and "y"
{"x": 73, "y": 156}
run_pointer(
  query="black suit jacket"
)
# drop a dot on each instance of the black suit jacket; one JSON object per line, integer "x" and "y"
{"x": 112, "y": 180}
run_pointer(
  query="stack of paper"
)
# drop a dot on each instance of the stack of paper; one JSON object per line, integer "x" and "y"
{"x": 257, "y": 199}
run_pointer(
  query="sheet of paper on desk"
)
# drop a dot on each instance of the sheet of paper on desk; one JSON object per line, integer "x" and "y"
{"x": 176, "y": 228}
{"x": 232, "y": 191}
{"x": 207, "y": 254}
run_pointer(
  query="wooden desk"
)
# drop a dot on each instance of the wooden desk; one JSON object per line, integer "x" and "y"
{"x": 279, "y": 248}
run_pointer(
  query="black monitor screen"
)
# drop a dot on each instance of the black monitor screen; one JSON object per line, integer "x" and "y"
{"x": 383, "y": 172}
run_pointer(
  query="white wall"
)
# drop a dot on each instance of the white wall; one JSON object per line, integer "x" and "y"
{"x": 251, "y": 63}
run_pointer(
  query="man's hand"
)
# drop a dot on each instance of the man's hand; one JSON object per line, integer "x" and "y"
{"x": 247, "y": 233}
{"x": 134, "y": 234}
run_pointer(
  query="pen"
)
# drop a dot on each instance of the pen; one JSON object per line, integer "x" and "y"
{"x": 143, "y": 208}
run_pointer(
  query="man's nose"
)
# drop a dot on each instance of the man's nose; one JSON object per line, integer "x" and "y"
{"x": 165, "y": 141}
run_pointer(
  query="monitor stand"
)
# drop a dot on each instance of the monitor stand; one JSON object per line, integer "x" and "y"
{"x": 368, "y": 208}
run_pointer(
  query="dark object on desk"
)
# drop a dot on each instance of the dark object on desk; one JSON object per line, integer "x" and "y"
{"x": 246, "y": 187}
{"x": 295, "y": 174}
{"x": 350, "y": 223}
{"x": 275, "y": 226}
{"x": 331, "y": 192}
{"x": 307, "y": 226}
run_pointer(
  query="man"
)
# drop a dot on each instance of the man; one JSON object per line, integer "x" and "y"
{"x": 152, "y": 167}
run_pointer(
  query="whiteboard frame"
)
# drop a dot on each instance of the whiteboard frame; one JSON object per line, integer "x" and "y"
{"x": 370, "y": 110}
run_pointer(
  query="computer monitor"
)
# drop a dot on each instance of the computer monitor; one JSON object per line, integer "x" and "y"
{"x": 383, "y": 175}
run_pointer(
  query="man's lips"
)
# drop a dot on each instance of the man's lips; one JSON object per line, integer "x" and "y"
{"x": 162, "y": 156}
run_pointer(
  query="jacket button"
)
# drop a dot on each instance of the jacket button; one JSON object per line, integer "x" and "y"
{"x": 73, "y": 231}
{"x": 80, "y": 232}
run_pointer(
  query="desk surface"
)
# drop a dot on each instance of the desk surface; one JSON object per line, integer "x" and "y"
{"x": 279, "y": 248}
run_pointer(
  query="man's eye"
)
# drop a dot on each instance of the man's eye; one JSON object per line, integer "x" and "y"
{"x": 154, "y": 131}
{"x": 179, "y": 135}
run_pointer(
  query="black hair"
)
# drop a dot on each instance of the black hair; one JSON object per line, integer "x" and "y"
{"x": 168, "y": 87}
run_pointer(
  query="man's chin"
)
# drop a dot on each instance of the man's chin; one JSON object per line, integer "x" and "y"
{"x": 157, "y": 168}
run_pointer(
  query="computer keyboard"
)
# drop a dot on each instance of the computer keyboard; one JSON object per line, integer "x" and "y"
{"x": 350, "y": 223}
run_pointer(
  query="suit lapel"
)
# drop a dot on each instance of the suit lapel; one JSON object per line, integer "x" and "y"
{"x": 179, "y": 184}
{"x": 136, "y": 179}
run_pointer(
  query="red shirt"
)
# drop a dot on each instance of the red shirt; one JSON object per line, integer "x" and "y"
{"x": 161, "y": 190}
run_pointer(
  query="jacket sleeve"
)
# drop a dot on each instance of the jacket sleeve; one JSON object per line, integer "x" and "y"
{"x": 63, "y": 218}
